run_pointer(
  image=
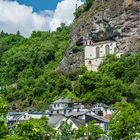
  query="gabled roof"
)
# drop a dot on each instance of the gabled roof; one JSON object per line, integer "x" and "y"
{"x": 39, "y": 113}
{"x": 14, "y": 116}
{"x": 100, "y": 104}
{"x": 78, "y": 122}
{"x": 75, "y": 113}
{"x": 63, "y": 101}
{"x": 55, "y": 120}
{"x": 96, "y": 117}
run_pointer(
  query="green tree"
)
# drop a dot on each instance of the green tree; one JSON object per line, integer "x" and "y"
{"x": 18, "y": 33}
{"x": 65, "y": 132}
{"x": 125, "y": 122}
{"x": 90, "y": 132}
{"x": 3, "y": 111}
{"x": 34, "y": 129}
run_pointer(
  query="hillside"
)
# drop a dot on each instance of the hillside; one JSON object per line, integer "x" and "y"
{"x": 37, "y": 70}
{"x": 104, "y": 20}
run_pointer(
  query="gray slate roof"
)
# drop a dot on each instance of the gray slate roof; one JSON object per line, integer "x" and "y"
{"x": 14, "y": 116}
{"x": 55, "y": 120}
{"x": 63, "y": 101}
{"x": 78, "y": 122}
{"x": 98, "y": 118}
{"x": 75, "y": 113}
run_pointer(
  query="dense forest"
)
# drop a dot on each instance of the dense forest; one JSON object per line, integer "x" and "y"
{"x": 29, "y": 75}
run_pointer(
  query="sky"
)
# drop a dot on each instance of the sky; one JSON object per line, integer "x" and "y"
{"x": 35, "y": 15}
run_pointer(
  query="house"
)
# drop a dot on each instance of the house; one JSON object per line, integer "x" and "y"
{"x": 61, "y": 107}
{"x": 96, "y": 52}
{"x": 100, "y": 121}
{"x": 83, "y": 118}
{"x": 56, "y": 121}
{"x": 38, "y": 115}
{"x": 14, "y": 117}
{"x": 77, "y": 107}
{"x": 103, "y": 110}
{"x": 75, "y": 122}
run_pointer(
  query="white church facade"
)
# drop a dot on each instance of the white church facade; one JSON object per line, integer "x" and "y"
{"x": 95, "y": 53}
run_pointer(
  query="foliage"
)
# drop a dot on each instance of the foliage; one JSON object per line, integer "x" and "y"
{"x": 65, "y": 132}
{"x": 76, "y": 49}
{"x": 97, "y": 87}
{"x": 125, "y": 123}
{"x": 3, "y": 110}
{"x": 91, "y": 132}
{"x": 34, "y": 129}
{"x": 3, "y": 107}
{"x": 28, "y": 67}
{"x": 29, "y": 76}
{"x": 125, "y": 68}
{"x": 87, "y": 5}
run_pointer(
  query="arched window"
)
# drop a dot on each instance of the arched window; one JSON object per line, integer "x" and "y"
{"x": 107, "y": 49}
{"x": 97, "y": 52}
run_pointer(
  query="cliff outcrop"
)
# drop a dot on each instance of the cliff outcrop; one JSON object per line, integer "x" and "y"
{"x": 106, "y": 20}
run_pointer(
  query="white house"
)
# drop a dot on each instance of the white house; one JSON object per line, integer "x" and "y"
{"x": 103, "y": 110}
{"x": 16, "y": 117}
{"x": 83, "y": 118}
{"x": 95, "y": 53}
{"x": 38, "y": 115}
{"x": 61, "y": 107}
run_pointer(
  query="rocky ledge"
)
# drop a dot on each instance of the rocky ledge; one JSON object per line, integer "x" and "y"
{"x": 116, "y": 22}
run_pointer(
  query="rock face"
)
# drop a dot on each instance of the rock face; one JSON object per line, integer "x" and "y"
{"x": 118, "y": 21}
{"x": 71, "y": 60}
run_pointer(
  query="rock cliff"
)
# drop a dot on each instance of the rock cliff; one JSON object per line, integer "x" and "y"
{"x": 109, "y": 20}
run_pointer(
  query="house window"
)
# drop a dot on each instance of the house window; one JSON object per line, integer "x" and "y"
{"x": 58, "y": 105}
{"x": 54, "y": 105}
{"x": 100, "y": 113}
{"x": 57, "y": 111}
{"x": 64, "y": 111}
{"x": 106, "y": 127}
{"x": 97, "y": 52}
{"x": 107, "y": 49}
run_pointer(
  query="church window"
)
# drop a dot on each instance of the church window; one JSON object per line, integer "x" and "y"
{"x": 97, "y": 52}
{"x": 107, "y": 49}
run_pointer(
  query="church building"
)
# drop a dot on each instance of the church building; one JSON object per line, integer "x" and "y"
{"x": 95, "y": 53}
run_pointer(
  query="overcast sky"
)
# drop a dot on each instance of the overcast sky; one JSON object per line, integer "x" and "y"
{"x": 38, "y": 15}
